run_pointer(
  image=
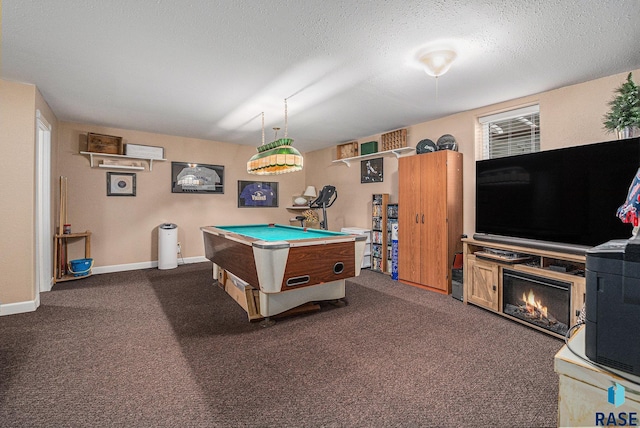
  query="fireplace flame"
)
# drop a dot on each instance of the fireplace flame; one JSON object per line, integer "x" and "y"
{"x": 534, "y": 305}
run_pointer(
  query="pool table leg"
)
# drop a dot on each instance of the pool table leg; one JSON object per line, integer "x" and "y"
{"x": 339, "y": 303}
{"x": 267, "y": 322}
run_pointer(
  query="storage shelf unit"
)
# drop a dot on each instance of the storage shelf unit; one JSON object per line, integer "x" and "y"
{"x": 107, "y": 155}
{"x": 60, "y": 246}
{"x": 430, "y": 195}
{"x": 392, "y": 218}
{"x": 379, "y": 232}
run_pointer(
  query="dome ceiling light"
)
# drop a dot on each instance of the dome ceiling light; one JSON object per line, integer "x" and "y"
{"x": 437, "y": 62}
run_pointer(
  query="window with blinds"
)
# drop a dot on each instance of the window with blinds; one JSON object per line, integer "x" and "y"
{"x": 512, "y": 132}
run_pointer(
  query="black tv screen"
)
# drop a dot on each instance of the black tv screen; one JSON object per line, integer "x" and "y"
{"x": 567, "y": 196}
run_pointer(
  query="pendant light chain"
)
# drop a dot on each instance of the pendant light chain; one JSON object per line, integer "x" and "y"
{"x": 263, "y": 128}
{"x": 285, "y": 118}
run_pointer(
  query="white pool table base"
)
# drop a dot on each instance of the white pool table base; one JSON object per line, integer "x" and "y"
{"x": 263, "y": 306}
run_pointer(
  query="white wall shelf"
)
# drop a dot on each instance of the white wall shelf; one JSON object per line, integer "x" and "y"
{"x": 299, "y": 207}
{"x": 396, "y": 152}
{"x": 107, "y": 155}
{"x": 139, "y": 168}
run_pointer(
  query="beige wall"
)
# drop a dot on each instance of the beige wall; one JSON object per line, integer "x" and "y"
{"x": 569, "y": 116}
{"x": 17, "y": 131}
{"x": 18, "y": 105}
{"x": 353, "y": 205}
{"x": 125, "y": 229}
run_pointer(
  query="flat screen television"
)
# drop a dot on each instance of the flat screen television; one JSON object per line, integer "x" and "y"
{"x": 566, "y": 196}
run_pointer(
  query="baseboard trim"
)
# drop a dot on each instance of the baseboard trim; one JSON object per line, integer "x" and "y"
{"x": 18, "y": 307}
{"x": 32, "y": 305}
{"x": 143, "y": 265}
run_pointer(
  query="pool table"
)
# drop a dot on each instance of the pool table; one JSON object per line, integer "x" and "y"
{"x": 289, "y": 265}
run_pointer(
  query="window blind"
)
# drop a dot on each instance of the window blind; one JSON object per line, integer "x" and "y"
{"x": 511, "y": 132}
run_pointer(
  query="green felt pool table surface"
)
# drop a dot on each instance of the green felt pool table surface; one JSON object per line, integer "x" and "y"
{"x": 268, "y": 233}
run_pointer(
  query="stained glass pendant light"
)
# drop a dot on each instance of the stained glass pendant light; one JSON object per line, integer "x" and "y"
{"x": 277, "y": 157}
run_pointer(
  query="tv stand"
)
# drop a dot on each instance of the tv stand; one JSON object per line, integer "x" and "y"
{"x": 485, "y": 262}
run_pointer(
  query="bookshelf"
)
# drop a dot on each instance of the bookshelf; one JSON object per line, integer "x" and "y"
{"x": 379, "y": 204}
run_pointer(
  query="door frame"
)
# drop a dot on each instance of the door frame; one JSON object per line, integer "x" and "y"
{"x": 43, "y": 235}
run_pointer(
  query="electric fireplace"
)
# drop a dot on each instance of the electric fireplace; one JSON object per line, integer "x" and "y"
{"x": 542, "y": 302}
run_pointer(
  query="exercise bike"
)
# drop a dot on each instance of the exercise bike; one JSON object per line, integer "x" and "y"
{"x": 325, "y": 199}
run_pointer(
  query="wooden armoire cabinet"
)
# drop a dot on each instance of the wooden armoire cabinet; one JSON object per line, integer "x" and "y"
{"x": 430, "y": 221}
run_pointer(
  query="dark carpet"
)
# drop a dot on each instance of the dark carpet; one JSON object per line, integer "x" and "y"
{"x": 153, "y": 348}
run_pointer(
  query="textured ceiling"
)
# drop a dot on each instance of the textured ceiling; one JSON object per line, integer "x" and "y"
{"x": 207, "y": 69}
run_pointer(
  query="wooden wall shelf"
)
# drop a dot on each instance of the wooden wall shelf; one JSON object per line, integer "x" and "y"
{"x": 299, "y": 207}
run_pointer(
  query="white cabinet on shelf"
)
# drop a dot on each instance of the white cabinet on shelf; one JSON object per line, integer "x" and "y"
{"x": 366, "y": 260}
{"x": 122, "y": 157}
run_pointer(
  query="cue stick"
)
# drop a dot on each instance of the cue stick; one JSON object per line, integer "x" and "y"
{"x": 59, "y": 240}
{"x": 66, "y": 194}
{"x": 62, "y": 204}
{"x": 62, "y": 221}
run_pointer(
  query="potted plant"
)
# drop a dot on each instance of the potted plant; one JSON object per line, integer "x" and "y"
{"x": 624, "y": 116}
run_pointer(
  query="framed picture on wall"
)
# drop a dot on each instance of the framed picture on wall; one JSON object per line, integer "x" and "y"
{"x": 257, "y": 194}
{"x": 371, "y": 170}
{"x": 196, "y": 178}
{"x": 121, "y": 184}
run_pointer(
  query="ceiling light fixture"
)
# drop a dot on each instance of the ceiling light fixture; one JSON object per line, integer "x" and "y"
{"x": 277, "y": 157}
{"x": 438, "y": 62}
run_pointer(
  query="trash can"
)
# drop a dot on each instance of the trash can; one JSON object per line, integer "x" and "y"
{"x": 167, "y": 246}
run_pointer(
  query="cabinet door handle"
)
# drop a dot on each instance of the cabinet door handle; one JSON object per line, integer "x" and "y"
{"x": 417, "y": 218}
{"x": 422, "y": 218}
{"x": 494, "y": 288}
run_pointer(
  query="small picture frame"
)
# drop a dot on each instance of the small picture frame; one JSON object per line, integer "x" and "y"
{"x": 371, "y": 170}
{"x": 121, "y": 184}
{"x": 257, "y": 194}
